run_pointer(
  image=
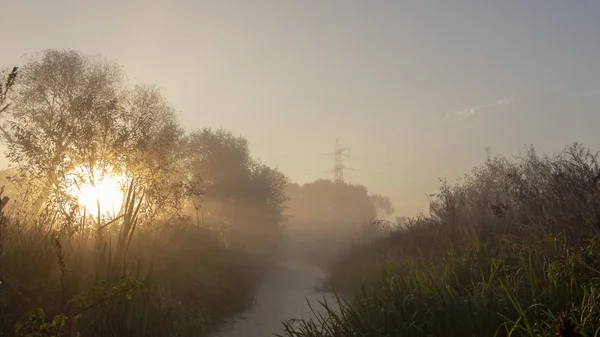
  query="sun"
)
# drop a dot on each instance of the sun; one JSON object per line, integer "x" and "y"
{"x": 97, "y": 190}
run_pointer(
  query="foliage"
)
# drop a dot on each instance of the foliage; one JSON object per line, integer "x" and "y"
{"x": 337, "y": 204}
{"x": 6, "y": 87}
{"x": 242, "y": 198}
{"x": 34, "y": 323}
{"x": 331, "y": 217}
{"x": 149, "y": 269}
{"x": 495, "y": 291}
{"x": 62, "y": 102}
{"x": 72, "y": 111}
{"x": 181, "y": 283}
{"x": 324, "y": 200}
{"x": 508, "y": 250}
{"x": 383, "y": 206}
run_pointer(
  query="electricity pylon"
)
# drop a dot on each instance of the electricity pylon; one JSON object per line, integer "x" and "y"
{"x": 338, "y": 166}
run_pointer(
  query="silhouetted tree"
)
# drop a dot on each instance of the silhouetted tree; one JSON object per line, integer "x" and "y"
{"x": 241, "y": 196}
{"x": 383, "y": 206}
{"x": 73, "y": 110}
{"x": 339, "y": 205}
{"x": 151, "y": 145}
{"x": 64, "y": 104}
{"x": 328, "y": 217}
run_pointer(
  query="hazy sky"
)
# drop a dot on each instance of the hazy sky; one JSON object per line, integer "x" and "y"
{"x": 416, "y": 89}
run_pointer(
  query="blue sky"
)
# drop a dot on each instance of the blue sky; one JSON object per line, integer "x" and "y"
{"x": 416, "y": 89}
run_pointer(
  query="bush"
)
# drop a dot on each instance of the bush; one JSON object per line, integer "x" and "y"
{"x": 178, "y": 281}
{"x": 508, "y": 250}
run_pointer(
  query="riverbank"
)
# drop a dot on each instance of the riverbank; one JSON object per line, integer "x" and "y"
{"x": 512, "y": 249}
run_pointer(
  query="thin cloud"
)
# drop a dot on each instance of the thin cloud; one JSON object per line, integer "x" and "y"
{"x": 476, "y": 109}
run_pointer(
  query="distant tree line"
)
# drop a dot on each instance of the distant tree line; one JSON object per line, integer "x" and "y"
{"x": 329, "y": 217}
{"x": 325, "y": 200}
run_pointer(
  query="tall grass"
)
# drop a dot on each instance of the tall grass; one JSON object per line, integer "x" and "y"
{"x": 119, "y": 278}
{"x": 510, "y": 250}
{"x": 497, "y": 291}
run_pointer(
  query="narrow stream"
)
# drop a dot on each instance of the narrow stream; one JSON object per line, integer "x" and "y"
{"x": 282, "y": 295}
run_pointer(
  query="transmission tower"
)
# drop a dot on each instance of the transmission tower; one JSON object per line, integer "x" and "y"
{"x": 338, "y": 166}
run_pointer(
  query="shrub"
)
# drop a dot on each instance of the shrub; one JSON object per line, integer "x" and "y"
{"x": 508, "y": 250}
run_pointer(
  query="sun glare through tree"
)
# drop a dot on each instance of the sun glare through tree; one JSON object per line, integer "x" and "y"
{"x": 97, "y": 190}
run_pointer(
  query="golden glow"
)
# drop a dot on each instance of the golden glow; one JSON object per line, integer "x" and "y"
{"x": 96, "y": 188}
